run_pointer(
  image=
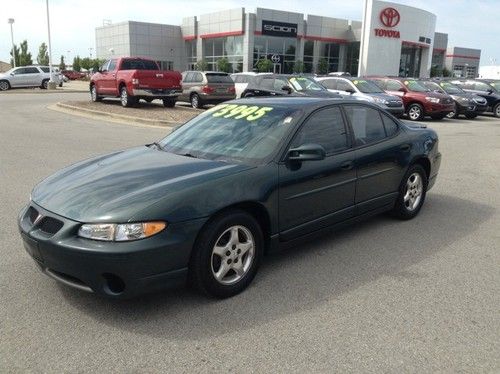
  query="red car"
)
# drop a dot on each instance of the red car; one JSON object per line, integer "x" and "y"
{"x": 134, "y": 78}
{"x": 418, "y": 100}
{"x": 72, "y": 75}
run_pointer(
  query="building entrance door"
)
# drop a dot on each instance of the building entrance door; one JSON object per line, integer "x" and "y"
{"x": 409, "y": 65}
{"x": 277, "y": 68}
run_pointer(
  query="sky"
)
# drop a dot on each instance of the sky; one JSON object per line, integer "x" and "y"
{"x": 469, "y": 23}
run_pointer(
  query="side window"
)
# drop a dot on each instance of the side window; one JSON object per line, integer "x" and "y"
{"x": 267, "y": 83}
{"x": 344, "y": 86}
{"x": 393, "y": 86}
{"x": 326, "y": 128}
{"x": 391, "y": 127}
{"x": 19, "y": 71}
{"x": 104, "y": 66}
{"x": 188, "y": 78}
{"x": 112, "y": 65}
{"x": 366, "y": 124}
{"x": 331, "y": 84}
{"x": 31, "y": 71}
{"x": 279, "y": 84}
{"x": 480, "y": 86}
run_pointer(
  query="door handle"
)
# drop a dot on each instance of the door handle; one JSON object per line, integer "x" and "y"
{"x": 114, "y": 75}
{"x": 348, "y": 165}
{"x": 405, "y": 147}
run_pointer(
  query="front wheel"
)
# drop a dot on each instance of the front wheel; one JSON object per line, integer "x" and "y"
{"x": 496, "y": 110}
{"x": 415, "y": 112}
{"x": 45, "y": 84}
{"x": 412, "y": 193}
{"x": 453, "y": 114}
{"x": 94, "y": 96}
{"x": 4, "y": 85}
{"x": 169, "y": 102}
{"x": 125, "y": 99}
{"x": 227, "y": 254}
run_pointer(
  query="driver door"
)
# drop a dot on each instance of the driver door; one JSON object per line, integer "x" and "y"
{"x": 316, "y": 194}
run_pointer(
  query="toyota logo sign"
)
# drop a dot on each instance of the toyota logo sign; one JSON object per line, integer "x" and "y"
{"x": 390, "y": 17}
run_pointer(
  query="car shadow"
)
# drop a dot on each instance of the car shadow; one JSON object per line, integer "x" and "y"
{"x": 299, "y": 278}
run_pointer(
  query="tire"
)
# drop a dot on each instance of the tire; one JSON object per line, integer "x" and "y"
{"x": 412, "y": 192}
{"x": 453, "y": 114}
{"x": 4, "y": 85}
{"x": 45, "y": 84}
{"x": 224, "y": 263}
{"x": 169, "y": 102}
{"x": 248, "y": 94}
{"x": 195, "y": 101}
{"x": 496, "y": 110}
{"x": 471, "y": 115}
{"x": 148, "y": 100}
{"x": 125, "y": 99}
{"x": 415, "y": 112}
{"x": 94, "y": 96}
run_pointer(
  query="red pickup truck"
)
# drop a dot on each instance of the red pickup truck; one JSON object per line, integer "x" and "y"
{"x": 134, "y": 78}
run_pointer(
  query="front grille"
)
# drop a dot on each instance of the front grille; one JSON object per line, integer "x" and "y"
{"x": 50, "y": 225}
{"x": 32, "y": 213}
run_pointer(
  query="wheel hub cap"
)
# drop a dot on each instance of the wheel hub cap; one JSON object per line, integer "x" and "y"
{"x": 414, "y": 189}
{"x": 232, "y": 255}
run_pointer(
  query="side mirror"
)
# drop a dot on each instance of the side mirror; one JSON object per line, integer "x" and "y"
{"x": 402, "y": 89}
{"x": 287, "y": 89}
{"x": 307, "y": 152}
{"x": 490, "y": 91}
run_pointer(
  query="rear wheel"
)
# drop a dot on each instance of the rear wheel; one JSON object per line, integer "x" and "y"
{"x": 169, "y": 102}
{"x": 125, "y": 99}
{"x": 496, "y": 110}
{"x": 94, "y": 96}
{"x": 148, "y": 100}
{"x": 453, "y": 114}
{"x": 227, "y": 254}
{"x": 411, "y": 193}
{"x": 45, "y": 84}
{"x": 196, "y": 101}
{"x": 415, "y": 112}
{"x": 4, "y": 85}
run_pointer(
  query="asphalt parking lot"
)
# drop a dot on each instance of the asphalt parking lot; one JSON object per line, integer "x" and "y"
{"x": 383, "y": 296}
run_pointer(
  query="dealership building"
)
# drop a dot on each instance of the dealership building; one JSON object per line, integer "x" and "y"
{"x": 392, "y": 39}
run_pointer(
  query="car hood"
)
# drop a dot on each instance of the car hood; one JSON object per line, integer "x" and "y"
{"x": 112, "y": 188}
{"x": 4, "y": 75}
{"x": 317, "y": 93}
{"x": 385, "y": 96}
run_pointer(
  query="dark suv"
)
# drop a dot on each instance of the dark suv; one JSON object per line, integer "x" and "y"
{"x": 468, "y": 104}
{"x": 281, "y": 85}
{"x": 484, "y": 89}
{"x": 419, "y": 101}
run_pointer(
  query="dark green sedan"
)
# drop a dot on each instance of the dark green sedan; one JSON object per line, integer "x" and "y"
{"x": 208, "y": 201}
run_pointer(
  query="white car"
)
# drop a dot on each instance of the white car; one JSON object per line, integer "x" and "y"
{"x": 241, "y": 81}
{"x": 27, "y": 76}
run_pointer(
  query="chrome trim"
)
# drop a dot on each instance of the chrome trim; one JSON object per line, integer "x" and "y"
{"x": 148, "y": 93}
{"x": 58, "y": 278}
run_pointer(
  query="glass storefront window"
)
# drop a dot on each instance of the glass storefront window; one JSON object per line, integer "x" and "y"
{"x": 230, "y": 47}
{"x": 352, "y": 58}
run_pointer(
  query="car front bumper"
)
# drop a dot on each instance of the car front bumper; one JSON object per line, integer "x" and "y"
{"x": 111, "y": 269}
{"x": 156, "y": 93}
{"x": 435, "y": 108}
{"x": 466, "y": 108}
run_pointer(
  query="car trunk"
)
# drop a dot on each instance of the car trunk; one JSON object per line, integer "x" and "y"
{"x": 220, "y": 83}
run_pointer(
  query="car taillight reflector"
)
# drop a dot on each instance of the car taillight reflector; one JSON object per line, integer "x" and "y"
{"x": 207, "y": 89}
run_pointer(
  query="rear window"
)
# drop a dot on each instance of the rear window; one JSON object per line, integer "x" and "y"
{"x": 45, "y": 70}
{"x": 218, "y": 78}
{"x": 136, "y": 64}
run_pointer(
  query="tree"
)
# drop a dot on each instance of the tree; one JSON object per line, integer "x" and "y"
{"x": 16, "y": 53}
{"x": 24, "y": 55}
{"x": 62, "y": 65}
{"x": 446, "y": 73}
{"x": 96, "y": 64}
{"x": 322, "y": 66}
{"x": 224, "y": 65}
{"x": 86, "y": 63}
{"x": 298, "y": 67}
{"x": 77, "y": 64}
{"x": 43, "y": 55}
{"x": 264, "y": 65}
{"x": 201, "y": 65}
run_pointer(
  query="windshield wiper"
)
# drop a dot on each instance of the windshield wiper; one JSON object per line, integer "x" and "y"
{"x": 157, "y": 145}
{"x": 189, "y": 155}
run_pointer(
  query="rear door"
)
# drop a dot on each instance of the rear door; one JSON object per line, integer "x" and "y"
{"x": 32, "y": 77}
{"x": 380, "y": 156}
{"x": 316, "y": 194}
{"x": 187, "y": 79}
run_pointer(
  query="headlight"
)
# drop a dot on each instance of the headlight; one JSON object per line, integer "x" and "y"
{"x": 379, "y": 100}
{"x": 120, "y": 232}
{"x": 432, "y": 99}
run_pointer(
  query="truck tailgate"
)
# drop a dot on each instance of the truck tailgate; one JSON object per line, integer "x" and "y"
{"x": 158, "y": 79}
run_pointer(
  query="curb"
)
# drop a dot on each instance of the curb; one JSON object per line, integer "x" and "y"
{"x": 39, "y": 91}
{"x": 122, "y": 117}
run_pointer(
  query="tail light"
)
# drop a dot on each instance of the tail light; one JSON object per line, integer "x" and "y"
{"x": 231, "y": 89}
{"x": 207, "y": 89}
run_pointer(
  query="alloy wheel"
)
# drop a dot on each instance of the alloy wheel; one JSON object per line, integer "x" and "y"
{"x": 414, "y": 189}
{"x": 414, "y": 113}
{"x": 124, "y": 97}
{"x": 194, "y": 101}
{"x": 233, "y": 255}
{"x": 93, "y": 92}
{"x": 4, "y": 86}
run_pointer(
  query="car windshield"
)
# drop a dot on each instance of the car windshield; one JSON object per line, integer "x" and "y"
{"x": 367, "y": 86}
{"x": 238, "y": 133}
{"x": 415, "y": 86}
{"x": 219, "y": 78}
{"x": 137, "y": 64}
{"x": 450, "y": 88}
{"x": 304, "y": 84}
{"x": 495, "y": 85}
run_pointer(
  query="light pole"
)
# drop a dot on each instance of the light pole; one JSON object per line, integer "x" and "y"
{"x": 52, "y": 84}
{"x": 11, "y": 21}
{"x": 90, "y": 52}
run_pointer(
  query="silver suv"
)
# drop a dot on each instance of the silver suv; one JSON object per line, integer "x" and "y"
{"x": 27, "y": 76}
{"x": 362, "y": 89}
{"x": 206, "y": 87}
